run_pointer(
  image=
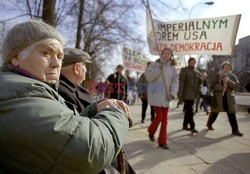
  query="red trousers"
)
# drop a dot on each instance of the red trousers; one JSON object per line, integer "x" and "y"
{"x": 161, "y": 117}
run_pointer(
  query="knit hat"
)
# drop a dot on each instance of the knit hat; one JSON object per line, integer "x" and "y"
{"x": 226, "y": 63}
{"x": 74, "y": 55}
{"x": 25, "y": 34}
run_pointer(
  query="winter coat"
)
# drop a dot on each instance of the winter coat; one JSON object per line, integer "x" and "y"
{"x": 40, "y": 135}
{"x": 163, "y": 83}
{"x": 142, "y": 87}
{"x": 116, "y": 85}
{"x": 217, "y": 89}
{"x": 74, "y": 94}
{"x": 190, "y": 83}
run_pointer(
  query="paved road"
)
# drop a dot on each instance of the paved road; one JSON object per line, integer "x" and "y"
{"x": 209, "y": 152}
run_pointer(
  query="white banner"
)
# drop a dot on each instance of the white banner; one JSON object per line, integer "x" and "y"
{"x": 134, "y": 60}
{"x": 215, "y": 36}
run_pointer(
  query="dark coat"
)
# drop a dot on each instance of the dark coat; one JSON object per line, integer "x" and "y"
{"x": 142, "y": 87}
{"x": 189, "y": 83}
{"x": 116, "y": 86}
{"x": 74, "y": 94}
{"x": 217, "y": 88}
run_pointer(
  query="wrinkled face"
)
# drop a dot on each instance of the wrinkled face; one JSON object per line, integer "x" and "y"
{"x": 192, "y": 63}
{"x": 81, "y": 72}
{"x": 204, "y": 76}
{"x": 166, "y": 55}
{"x": 226, "y": 68}
{"x": 44, "y": 62}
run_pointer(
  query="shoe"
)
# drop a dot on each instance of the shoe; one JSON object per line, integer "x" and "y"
{"x": 164, "y": 146}
{"x": 152, "y": 138}
{"x": 238, "y": 133}
{"x": 210, "y": 127}
{"x": 186, "y": 128}
{"x": 194, "y": 131}
{"x": 142, "y": 121}
{"x": 207, "y": 112}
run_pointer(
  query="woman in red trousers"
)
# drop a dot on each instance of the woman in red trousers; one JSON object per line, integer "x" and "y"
{"x": 163, "y": 86}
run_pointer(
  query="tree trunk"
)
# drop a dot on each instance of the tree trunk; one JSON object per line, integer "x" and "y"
{"x": 79, "y": 25}
{"x": 49, "y": 12}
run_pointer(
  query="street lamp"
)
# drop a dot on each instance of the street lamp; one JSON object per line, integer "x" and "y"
{"x": 202, "y": 3}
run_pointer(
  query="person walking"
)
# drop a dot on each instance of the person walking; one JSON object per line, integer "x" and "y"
{"x": 189, "y": 89}
{"x": 163, "y": 85}
{"x": 116, "y": 85}
{"x": 142, "y": 89}
{"x": 100, "y": 89}
{"x": 223, "y": 87}
{"x": 130, "y": 88}
{"x": 204, "y": 91}
{"x": 38, "y": 132}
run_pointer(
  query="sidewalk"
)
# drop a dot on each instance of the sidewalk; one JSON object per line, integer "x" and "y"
{"x": 208, "y": 152}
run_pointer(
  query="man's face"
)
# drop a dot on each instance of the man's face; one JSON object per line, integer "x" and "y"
{"x": 119, "y": 70}
{"x": 44, "y": 62}
{"x": 204, "y": 76}
{"x": 192, "y": 63}
{"x": 82, "y": 72}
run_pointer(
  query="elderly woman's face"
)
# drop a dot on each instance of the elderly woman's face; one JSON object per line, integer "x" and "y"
{"x": 44, "y": 62}
{"x": 226, "y": 68}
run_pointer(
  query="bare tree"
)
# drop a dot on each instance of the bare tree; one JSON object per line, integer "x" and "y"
{"x": 80, "y": 24}
{"x": 106, "y": 23}
{"x": 94, "y": 26}
{"x": 51, "y": 11}
{"x": 48, "y": 15}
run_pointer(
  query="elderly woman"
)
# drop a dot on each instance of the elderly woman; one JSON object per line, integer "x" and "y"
{"x": 163, "y": 86}
{"x": 38, "y": 133}
{"x": 223, "y": 86}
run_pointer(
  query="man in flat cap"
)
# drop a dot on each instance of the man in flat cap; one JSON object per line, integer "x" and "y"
{"x": 73, "y": 73}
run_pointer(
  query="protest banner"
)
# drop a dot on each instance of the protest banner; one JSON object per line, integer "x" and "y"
{"x": 134, "y": 60}
{"x": 214, "y": 36}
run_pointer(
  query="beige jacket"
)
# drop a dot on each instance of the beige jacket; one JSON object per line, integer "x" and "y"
{"x": 163, "y": 83}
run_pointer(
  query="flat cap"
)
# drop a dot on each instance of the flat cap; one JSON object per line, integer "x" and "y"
{"x": 74, "y": 55}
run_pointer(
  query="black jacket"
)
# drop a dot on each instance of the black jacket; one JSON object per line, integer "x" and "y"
{"x": 116, "y": 86}
{"x": 74, "y": 94}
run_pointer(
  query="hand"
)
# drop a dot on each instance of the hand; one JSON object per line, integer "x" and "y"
{"x": 170, "y": 97}
{"x": 225, "y": 79}
{"x": 180, "y": 101}
{"x": 113, "y": 103}
{"x": 225, "y": 84}
{"x": 161, "y": 65}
